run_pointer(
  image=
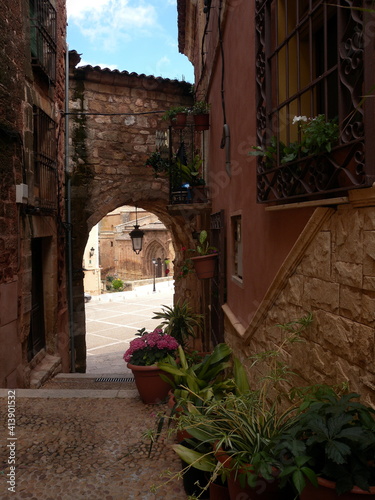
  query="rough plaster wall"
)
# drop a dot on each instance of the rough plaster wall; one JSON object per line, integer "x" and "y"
{"x": 335, "y": 282}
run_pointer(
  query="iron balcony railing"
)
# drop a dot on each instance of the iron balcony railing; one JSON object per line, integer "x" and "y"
{"x": 313, "y": 58}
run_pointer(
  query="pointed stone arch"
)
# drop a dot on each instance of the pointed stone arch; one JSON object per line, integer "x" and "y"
{"x": 113, "y": 122}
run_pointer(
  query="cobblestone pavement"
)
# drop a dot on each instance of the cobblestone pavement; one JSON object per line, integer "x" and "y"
{"x": 90, "y": 448}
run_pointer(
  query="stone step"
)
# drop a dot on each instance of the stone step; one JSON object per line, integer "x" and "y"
{"x": 47, "y": 368}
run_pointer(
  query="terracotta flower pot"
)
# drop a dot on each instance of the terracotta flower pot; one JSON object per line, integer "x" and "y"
{"x": 179, "y": 121}
{"x": 327, "y": 491}
{"x": 151, "y": 387}
{"x": 201, "y": 122}
{"x": 204, "y": 265}
{"x": 264, "y": 489}
{"x": 219, "y": 491}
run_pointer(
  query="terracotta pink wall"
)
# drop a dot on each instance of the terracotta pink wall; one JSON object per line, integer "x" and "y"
{"x": 267, "y": 236}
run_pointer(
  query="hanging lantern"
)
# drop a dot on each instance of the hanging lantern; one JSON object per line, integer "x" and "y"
{"x": 136, "y": 236}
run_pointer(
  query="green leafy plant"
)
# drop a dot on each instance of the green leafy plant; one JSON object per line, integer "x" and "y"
{"x": 318, "y": 135}
{"x": 203, "y": 247}
{"x": 209, "y": 378}
{"x": 171, "y": 113}
{"x": 158, "y": 163}
{"x": 179, "y": 321}
{"x": 246, "y": 424}
{"x": 191, "y": 173}
{"x": 200, "y": 108}
{"x": 117, "y": 284}
{"x": 334, "y": 436}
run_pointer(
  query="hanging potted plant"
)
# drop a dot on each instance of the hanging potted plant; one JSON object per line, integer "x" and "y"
{"x": 201, "y": 116}
{"x": 177, "y": 115}
{"x": 205, "y": 262}
{"x": 142, "y": 357}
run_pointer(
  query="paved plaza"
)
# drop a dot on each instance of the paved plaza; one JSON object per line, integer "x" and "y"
{"x": 112, "y": 320}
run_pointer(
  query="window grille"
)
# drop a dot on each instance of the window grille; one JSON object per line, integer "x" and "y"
{"x": 45, "y": 164}
{"x": 310, "y": 62}
{"x": 43, "y": 37}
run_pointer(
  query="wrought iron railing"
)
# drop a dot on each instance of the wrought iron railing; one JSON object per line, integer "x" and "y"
{"x": 310, "y": 60}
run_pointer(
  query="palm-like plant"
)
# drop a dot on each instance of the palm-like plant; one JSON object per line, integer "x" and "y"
{"x": 179, "y": 321}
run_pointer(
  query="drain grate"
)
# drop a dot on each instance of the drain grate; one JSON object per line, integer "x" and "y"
{"x": 114, "y": 379}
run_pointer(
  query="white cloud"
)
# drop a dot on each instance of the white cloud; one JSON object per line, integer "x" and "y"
{"x": 163, "y": 62}
{"x": 111, "y": 21}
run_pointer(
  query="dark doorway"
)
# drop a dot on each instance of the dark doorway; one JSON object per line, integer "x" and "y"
{"x": 37, "y": 339}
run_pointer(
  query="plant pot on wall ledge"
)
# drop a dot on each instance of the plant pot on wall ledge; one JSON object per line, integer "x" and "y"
{"x": 205, "y": 265}
{"x": 327, "y": 491}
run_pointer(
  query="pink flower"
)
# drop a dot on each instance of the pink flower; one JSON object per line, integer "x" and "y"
{"x": 151, "y": 343}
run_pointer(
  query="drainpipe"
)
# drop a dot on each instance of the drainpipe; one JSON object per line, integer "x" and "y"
{"x": 69, "y": 262}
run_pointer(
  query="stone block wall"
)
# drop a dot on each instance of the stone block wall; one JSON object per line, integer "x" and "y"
{"x": 330, "y": 272}
{"x": 20, "y": 89}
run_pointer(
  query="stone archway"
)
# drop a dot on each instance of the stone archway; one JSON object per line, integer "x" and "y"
{"x": 113, "y": 122}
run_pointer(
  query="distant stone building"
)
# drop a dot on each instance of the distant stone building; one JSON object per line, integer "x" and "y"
{"x": 33, "y": 305}
{"x": 116, "y": 255}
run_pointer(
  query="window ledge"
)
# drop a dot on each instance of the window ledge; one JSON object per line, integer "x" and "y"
{"x": 306, "y": 204}
{"x": 237, "y": 280}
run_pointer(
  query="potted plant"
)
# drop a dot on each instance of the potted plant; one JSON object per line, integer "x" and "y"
{"x": 190, "y": 174}
{"x": 205, "y": 262}
{"x": 243, "y": 434}
{"x": 200, "y": 111}
{"x": 142, "y": 357}
{"x": 177, "y": 115}
{"x": 245, "y": 427}
{"x": 158, "y": 163}
{"x": 179, "y": 321}
{"x": 330, "y": 449}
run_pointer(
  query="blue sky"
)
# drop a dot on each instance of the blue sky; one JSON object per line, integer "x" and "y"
{"x": 131, "y": 35}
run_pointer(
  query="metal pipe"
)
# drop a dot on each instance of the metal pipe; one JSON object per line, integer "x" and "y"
{"x": 69, "y": 262}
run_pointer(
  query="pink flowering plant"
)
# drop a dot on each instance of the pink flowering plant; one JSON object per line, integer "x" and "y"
{"x": 150, "y": 348}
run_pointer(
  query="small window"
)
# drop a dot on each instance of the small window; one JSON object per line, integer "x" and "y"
{"x": 237, "y": 246}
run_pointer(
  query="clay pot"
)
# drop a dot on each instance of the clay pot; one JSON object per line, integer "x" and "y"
{"x": 264, "y": 489}
{"x": 219, "y": 491}
{"x": 327, "y": 491}
{"x": 201, "y": 122}
{"x": 151, "y": 387}
{"x": 179, "y": 121}
{"x": 204, "y": 265}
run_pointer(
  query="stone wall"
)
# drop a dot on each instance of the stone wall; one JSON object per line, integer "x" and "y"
{"x": 331, "y": 273}
{"x": 20, "y": 89}
{"x": 113, "y": 124}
